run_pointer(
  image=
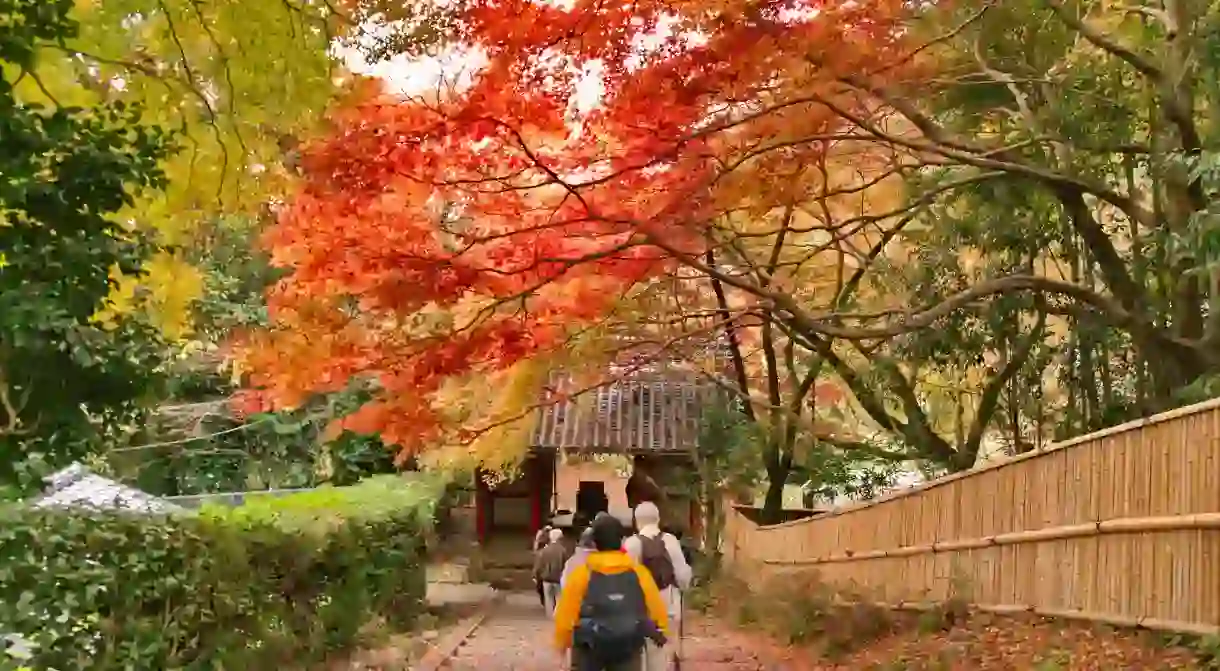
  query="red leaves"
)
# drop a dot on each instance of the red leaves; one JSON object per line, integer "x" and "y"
{"x": 433, "y": 240}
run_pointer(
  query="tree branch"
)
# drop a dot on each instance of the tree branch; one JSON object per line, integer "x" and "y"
{"x": 991, "y": 392}
{"x": 730, "y": 332}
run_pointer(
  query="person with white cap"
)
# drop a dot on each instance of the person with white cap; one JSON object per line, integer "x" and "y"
{"x": 660, "y": 553}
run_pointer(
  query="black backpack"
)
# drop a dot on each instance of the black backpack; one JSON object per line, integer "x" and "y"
{"x": 654, "y": 556}
{"x": 614, "y": 621}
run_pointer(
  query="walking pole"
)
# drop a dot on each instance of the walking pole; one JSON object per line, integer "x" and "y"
{"x": 681, "y": 627}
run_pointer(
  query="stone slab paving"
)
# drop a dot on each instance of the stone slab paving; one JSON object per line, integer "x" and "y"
{"x": 517, "y": 637}
{"x": 448, "y": 594}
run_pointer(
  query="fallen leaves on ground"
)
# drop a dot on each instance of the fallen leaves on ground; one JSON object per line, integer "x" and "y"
{"x": 400, "y": 650}
{"x": 986, "y": 642}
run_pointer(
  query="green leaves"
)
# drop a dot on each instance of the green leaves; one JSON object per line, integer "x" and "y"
{"x": 729, "y": 447}
{"x": 1202, "y": 235}
{"x": 28, "y": 24}
{"x": 65, "y": 173}
{"x": 1094, "y": 126}
{"x": 268, "y": 585}
{"x": 374, "y": 499}
{"x": 829, "y": 473}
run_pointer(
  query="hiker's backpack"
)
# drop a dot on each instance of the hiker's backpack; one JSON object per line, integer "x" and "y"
{"x": 654, "y": 556}
{"x": 614, "y": 621}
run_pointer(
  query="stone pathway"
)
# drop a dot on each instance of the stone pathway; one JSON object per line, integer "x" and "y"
{"x": 517, "y": 637}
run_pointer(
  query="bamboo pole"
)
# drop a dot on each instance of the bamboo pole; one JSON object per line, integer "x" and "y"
{"x": 1136, "y": 525}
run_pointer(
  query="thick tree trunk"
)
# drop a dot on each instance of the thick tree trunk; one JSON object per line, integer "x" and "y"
{"x": 773, "y": 502}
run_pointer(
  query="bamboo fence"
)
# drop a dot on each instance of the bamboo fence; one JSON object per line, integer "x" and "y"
{"x": 1119, "y": 526}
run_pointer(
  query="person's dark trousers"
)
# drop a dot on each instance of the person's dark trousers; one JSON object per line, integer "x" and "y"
{"x": 541, "y": 594}
{"x": 582, "y": 660}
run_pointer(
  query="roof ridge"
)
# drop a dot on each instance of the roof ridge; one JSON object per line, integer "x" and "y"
{"x": 66, "y": 477}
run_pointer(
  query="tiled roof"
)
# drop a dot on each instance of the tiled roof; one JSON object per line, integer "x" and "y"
{"x": 232, "y": 499}
{"x": 76, "y": 486}
{"x": 633, "y": 416}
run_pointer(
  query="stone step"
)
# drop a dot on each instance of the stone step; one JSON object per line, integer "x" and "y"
{"x": 451, "y": 572}
{"x": 509, "y": 563}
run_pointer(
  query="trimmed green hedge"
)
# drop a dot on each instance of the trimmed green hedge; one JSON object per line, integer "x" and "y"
{"x": 273, "y": 583}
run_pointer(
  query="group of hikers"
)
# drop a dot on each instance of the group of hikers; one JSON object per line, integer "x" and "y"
{"x": 616, "y": 600}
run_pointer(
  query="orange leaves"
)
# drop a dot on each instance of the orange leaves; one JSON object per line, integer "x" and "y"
{"x": 402, "y": 420}
{"x": 452, "y": 237}
{"x": 312, "y": 350}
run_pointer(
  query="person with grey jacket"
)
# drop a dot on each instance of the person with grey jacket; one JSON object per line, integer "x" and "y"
{"x": 584, "y": 548}
{"x": 548, "y": 569}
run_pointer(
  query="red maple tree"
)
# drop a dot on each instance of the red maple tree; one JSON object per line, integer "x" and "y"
{"x": 455, "y": 234}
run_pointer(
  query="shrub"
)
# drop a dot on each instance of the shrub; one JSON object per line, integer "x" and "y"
{"x": 799, "y": 609}
{"x": 274, "y": 583}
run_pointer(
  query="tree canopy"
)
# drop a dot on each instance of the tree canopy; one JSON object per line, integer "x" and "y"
{"x": 1065, "y": 248}
{"x": 67, "y": 172}
{"x": 241, "y": 83}
{"x": 517, "y": 221}
{"x": 941, "y": 227}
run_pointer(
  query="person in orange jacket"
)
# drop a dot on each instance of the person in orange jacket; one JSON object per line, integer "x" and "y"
{"x": 609, "y": 607}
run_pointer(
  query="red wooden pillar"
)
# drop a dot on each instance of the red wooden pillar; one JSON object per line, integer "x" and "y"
{"x": 533, "y": 474}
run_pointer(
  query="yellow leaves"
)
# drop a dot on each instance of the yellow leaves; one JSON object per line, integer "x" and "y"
{"x": 164, "y": 294}
{"x": 503, "y": 419}
{"x": 822, "y": 217}
{"x": 471, "y": 310}
{"x": 432, "y": 320}
{"x": 173, "y": 286}
{"x": 234, "y": 77}
{"x": 55, "y": 85}
{"x": 122, "y": 301}
{"x": 950, "y": 397}
{"x": 512, "y": 418}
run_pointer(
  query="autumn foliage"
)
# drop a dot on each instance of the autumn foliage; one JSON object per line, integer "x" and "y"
{"x": 461, "y": 237}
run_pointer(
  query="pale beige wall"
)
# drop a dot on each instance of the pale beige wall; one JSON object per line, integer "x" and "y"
{"x": 676, "y": 512}
{"x": 569, "y": 475}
